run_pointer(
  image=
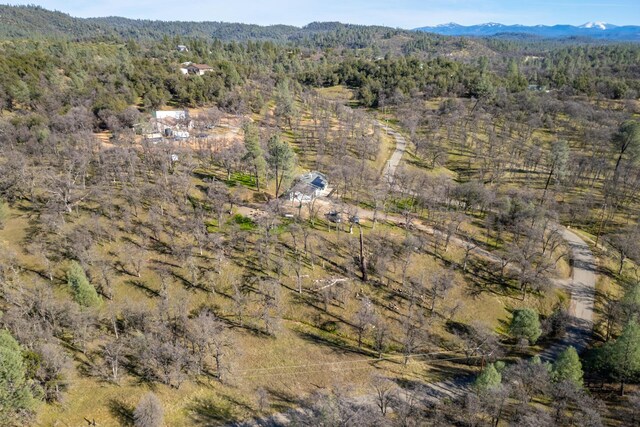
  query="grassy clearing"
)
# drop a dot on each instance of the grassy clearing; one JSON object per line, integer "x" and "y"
{"x": 339, "y": 93}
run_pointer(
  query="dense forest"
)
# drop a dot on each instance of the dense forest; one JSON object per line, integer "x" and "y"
{"x": 472, "y": 259}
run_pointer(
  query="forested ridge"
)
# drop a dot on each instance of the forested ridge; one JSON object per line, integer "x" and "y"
{"x": 179, "y": 272}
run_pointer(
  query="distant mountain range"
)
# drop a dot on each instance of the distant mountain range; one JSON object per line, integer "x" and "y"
{"x": 595, "y": 30}
{"x": 21, "y": 22}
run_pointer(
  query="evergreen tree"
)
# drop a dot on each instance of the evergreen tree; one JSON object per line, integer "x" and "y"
{"x": 488, "y": 379}
{"x": 83, "y": 292}
{"x": 626, "y": 143}
{"x": 623, "y": 355}
{"x": 568, "y": 367}
{"x": 285, "y": 102}
{"x": 525, "y": 323}
{"x": 16, "y": 396}
{"x": 557, "y": 161}
{"x": 255, "y": 155}
{"x": 281, "y": 160}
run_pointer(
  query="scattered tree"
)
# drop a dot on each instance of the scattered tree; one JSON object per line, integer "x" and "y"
{"x": 525, "y": 323}
{"x": 83, "y": 292}
{"x": 149, "y": 412}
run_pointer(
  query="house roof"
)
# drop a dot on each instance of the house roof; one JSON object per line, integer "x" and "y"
{"x": 304, "y": 189}
{"x": 315, "y": 179}
{"x": 171, "y": 114}
{"x": 309, "y": 184}
{"x": 319, "y": 182}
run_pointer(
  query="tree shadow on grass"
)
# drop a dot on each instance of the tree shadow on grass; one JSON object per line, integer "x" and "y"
{"x": 282, "y": 401}
{"x": 334, "y": 342}
{"x": 206, "y": 412}
{"x": 122, "y": 411}
{"x": 151, "y": 293}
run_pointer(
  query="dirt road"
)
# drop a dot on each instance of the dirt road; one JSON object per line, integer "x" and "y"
{"x": 394, "y": 160}
{"x": 582, "y": 287}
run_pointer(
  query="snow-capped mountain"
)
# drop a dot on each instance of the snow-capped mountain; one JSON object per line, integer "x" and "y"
{"x": 598, "y": 24}
{"x": 596, "y": 29}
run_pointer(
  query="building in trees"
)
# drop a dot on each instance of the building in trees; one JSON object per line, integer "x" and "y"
{"x": 171, "y": 121}
{"x": 199, "y": 69}
{"x": 308, "y": 187}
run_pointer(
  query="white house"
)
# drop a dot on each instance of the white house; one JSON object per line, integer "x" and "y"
{"x": 307, "y": 187}
{"x": 172, "y": 114}
{"x": 170, "y": 121}
{"x": 199, "y": 69}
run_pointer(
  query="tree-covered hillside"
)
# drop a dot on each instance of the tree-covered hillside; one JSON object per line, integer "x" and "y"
{"x": 366, "y": 225}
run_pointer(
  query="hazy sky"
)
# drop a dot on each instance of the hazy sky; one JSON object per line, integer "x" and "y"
{"x": 399, "y": 13}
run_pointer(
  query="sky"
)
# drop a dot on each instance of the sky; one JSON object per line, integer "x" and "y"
{"x": 399, "y": 13}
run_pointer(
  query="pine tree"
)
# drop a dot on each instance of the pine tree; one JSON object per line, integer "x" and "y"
{"x": 83, "y": 292}
{"x": 281, "y": 160}
{"x": 16, "y": 396}
{"x": 525, "y": 323}
{"x": 488, "y": 379}
{"x": 624, "y": 354}
{"x": 568, "y": 367}
{"x": 626, "y": 143}
{"x": 255, "y": 154}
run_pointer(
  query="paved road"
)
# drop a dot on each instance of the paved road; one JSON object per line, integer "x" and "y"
{"x": 394, "y": 160}
{"x": 582, "y": 287}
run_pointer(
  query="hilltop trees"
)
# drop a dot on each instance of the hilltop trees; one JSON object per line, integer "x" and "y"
{"x": 180, "y": 286}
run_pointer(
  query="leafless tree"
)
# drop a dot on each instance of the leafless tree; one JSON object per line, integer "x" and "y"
{"x": 363, "y": 318}
{"x": 384, "y": 390}
{"x": 114, "y": 355}
{"x": 148, "y": 412}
